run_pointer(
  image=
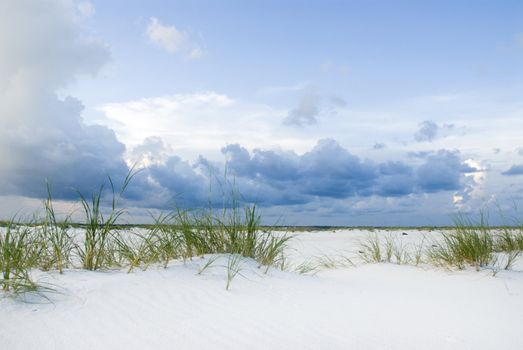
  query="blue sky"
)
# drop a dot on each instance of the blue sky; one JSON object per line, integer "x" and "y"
{"x": 391, "y": 50}
{"x": 325, "y": 112}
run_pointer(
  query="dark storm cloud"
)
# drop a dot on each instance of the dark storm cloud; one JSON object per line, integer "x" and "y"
{"x": 327, "y": 171}
{"x": 180, "y": 180}
{"x": 396, "y": 179}
{"x": 440, "y": 172}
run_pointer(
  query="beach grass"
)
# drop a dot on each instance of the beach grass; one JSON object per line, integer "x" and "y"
{"x": 19, "y": 252}
{"x": 53, "y": 236}
{"x": 234, "y": 267}
{"x": 235, "y": 229}
{"x": 371, "y": 249}
{"x": 470, "y": 244}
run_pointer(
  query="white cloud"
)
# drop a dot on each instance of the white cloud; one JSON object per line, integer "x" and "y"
{"x": 152, "y": 151}
{"x": 166, "y": 37}
{"x": 42, "y": 135}
{"x": 192, "y": 124}
{"x": 188, "y": 125}
{"x": 171, "y": 39}
{"x": 306, "y": 112}
{"x": 86, "y": 8}
{"x": 200, "y": 123}
{"x": 472, "y": 195}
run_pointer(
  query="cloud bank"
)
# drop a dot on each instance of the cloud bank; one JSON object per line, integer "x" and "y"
{"x": 326, "y": 172}
{"x": 43, "y": 135}
{"x": 46, "y": 138}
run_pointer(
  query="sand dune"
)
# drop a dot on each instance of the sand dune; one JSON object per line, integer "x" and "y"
{"x": 371, "y": 306}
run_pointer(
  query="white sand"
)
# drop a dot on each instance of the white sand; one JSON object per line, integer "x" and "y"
{"x": 375, "y": 306}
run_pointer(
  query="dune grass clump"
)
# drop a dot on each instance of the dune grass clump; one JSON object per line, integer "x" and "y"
{"x": 234, "y": 267}
{"x": 133, "y": 249}
{"x": 96, "y": 251}
{"x": 400, "y": 253}
{"x": 19, "y": 252}
{"x": 185, "y": 234}
{"x": 57, "y": 244}
{"x": 511, "y": 243}
{"x": 391, "y": 249}
{"x": 48, "y": 244}
{"x": 370, "y": 250}
{"x": 470, "y": 244}
{"x": 179, "y": 234}
{"x": 245, "y": 237}
{"x": 419, "y": 252}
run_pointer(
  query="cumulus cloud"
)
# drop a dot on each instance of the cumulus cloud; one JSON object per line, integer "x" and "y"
{"x": 427, "y": 131}
{"x": 441, "y": 171}
{"x": 43, "y": 136}
{"x": 306, "y": 112}
{"x": 396, "y": 179}
{"x": 166, "y": 37}
{"x": 472, "y": 192}
{"x": 514, "y": 170}
{"x": 330, "y": 171}
{"x": 201, "y": 123}
{"x": 177, "y": 182}
{"x": 171, "y": 39}
{"x": 327, "y": 172}
{"x": 152, "y": 151}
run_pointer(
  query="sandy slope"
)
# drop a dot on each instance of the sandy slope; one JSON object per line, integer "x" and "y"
{"x": 379, "y": 306}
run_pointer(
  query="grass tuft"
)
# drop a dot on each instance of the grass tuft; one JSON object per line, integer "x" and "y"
{"x": 471, "y": 244}
{"x": 234, "y": 267}
{"x": 19, "y": 252}
{"x": 95, "y": 252}
{"x": 370, "y": 250}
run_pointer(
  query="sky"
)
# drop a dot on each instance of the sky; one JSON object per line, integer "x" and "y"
{"x": 321, "y": 112}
